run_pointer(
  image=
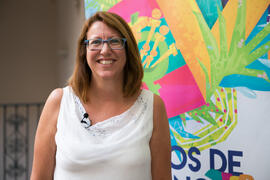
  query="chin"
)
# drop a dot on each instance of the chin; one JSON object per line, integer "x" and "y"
{"x": 108, "y": 76}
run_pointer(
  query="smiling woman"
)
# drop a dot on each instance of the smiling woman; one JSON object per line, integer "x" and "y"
{"x": 133, "y": 71}
{"x": 103, "y": 125}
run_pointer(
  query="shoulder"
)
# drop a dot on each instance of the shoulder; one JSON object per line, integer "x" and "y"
{"x": 159, "y": 112}
{"x": 158, "y": 100}
{"x": 159, "y": 106}
{"x": 52, "y": 105}
{"x": 56, "y": 94}
{"x": 55, "y": 97}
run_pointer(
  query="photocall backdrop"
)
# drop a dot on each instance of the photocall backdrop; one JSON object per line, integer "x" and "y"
{"x": 209, "y": 61}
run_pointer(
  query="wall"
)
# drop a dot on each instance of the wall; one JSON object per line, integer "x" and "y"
{"x": 38, "y": 44}
{"x": 70, "y": 21}
{"x": 28, "y": 60}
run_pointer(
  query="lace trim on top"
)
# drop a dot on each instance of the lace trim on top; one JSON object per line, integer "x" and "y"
{"x": 106, "y": 127}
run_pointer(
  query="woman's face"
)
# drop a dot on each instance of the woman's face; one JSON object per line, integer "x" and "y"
{"x": 105, "y": 63}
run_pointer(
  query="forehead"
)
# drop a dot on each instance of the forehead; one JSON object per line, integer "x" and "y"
{"x": 100, "y": 29}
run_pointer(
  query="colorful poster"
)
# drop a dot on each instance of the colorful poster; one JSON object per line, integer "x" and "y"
{"x": 209, "y": 61}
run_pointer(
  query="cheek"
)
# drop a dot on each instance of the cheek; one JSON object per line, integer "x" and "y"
{"x": 124, "y": 57}
{"x": 90, "y": 56}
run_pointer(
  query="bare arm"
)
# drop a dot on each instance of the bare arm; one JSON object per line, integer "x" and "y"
{"x": 160, "y": 143}
{"x": 45, "y": 147}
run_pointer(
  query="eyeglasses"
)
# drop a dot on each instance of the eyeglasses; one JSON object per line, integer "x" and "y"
{"x": 113, "y": 43}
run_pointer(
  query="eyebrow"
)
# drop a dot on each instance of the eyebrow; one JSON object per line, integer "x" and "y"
{"x": 99, "y": 37}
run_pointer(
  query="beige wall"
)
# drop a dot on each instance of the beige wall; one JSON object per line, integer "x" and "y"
{"x": 70, "y": 21}
{"x": 28, "y": 61}
{"x": 38, "y": 45}
{"x": 37, "y": 51}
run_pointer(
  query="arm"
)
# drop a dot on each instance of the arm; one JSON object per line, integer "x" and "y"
{"x": 45, "y": 147}
{"x": 160, "y": 145}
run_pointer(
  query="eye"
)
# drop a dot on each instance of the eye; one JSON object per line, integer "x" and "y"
{"x": 116, "y": 41}
{"x": 95, "y": 42}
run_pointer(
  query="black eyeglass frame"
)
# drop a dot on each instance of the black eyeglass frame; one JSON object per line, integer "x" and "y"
{"x": 86, "y": 42}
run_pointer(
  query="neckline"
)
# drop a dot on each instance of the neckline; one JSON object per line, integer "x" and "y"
{"x": 83, "y": 111}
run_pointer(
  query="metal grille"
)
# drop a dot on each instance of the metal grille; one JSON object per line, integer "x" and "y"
{"x": 18, "y": 126}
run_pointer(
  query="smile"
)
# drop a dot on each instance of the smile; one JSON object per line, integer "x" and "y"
{"x": 105, "y": 61}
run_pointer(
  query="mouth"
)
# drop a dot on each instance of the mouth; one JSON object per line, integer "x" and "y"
{"x": 105, "y": 61}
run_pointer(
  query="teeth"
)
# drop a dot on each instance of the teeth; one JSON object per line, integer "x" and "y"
{"x": 105, "y": 62}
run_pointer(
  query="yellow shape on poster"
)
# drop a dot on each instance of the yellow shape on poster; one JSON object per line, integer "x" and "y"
{"x": 187, "y": 34}
{"x": 254, "y": 11}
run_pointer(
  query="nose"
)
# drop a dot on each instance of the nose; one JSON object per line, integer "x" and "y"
{"x": 105, "y": 48}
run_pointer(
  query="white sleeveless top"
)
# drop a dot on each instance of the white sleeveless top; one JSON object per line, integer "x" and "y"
{"x": 116, "y": 148}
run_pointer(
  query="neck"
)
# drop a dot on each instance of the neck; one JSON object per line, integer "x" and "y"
{"x": 106, "y": 90}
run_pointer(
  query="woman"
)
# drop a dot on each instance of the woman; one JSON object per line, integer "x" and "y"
{"x": 103, "y": 125}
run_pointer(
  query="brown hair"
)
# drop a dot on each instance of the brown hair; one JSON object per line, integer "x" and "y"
{"x": 133, "y": 70}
